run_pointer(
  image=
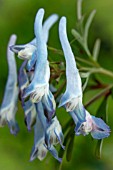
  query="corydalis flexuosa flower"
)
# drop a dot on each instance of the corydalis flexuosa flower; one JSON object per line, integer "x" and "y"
{"x": 72, "y": 98}
{"x": 48, "y": 135}
{"x": 53, "y": 130}
{"x": 9, "y": 104}
{"x": 38, "y": 89}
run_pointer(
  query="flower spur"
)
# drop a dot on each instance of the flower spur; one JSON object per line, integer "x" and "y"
{"x": 72, "y": 98}
{"x": 9, "y": 104}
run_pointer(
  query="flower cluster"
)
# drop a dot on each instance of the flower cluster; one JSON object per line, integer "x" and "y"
{"x": 38, "y": 102}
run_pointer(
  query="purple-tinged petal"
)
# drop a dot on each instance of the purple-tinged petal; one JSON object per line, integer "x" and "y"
{"x": 54, "y": 153}
{"x": 100, "y": 129}
{"x": 39, "y": 150}
{"x": 22, "y": 77}
{"x": 49, "y": 104}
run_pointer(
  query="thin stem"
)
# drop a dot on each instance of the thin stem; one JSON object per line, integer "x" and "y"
{"x": 85, "y": 61}
{"x": 79, "y": 9}
{"x": 60, "y": 52}
{"x": 98, "y": 69}
{"x": 97, "y": 96}
{"x": 60, "y": 89}
{"x": 72, "y": 41}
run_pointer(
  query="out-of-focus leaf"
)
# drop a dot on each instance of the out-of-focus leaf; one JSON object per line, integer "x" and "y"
{"x": 79, "y": 9}
{"x": 96, "y": 49}
{"x": 77, "y": 36}
{"x": 101, "y": 112}
{"x": 112, "y": 92}
{"x": 70, "y": 147}
{"x": 88, "y": 24}
{"x": 98, "y": 149}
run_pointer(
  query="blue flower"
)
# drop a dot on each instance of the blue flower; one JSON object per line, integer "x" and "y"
{"x": 9, "y": 104}
{"x": 28, "y": 106}
{"x": 53, "y": 130}
{"x": 39, "y": 150}
{"x": 72, "y": 98}
{"x": 42, "y": 71}
{"x": 96, "y": 126}
{"x": 46, "y": 135}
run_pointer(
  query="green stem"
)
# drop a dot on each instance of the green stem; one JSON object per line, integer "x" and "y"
{"x": 60, "y": 89}
{"x": 100, "y": 94}
{"x": 98, "y": 69}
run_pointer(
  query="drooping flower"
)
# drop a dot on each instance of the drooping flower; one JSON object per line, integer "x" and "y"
{"x": 72, "y": 98}
{"x": 9, "y": 104}
{"x": 46, "y": 135}
{"x": 28, "y": 106}
{"x": 38, "y": 89}
{"x": 96, "y": 126}
{"x": 53, "y": 130}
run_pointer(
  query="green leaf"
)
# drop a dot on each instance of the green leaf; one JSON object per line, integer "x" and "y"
{"x": 79, "y": 9}
{"x": 101, "y": 112}
{"x": 70, "y": 146}
{"x": 96, "y": 49}
{"x": 87, "y": 25}
{"x": 78, "y": 37}
{"x": 112, "y": 92}
{"x": 98, "y": 149}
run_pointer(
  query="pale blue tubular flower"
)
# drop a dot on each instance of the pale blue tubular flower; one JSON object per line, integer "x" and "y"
{"x": 28, "y": 106}
{"x": 28, "y": 51}
{"x": 96, "y": 126}
{"x": 39, "y": 150}
{"x": 73, "y": 93}
{"x": 42, "y": 130}
{"x": 38, "y": 89}
{"x": 53, "y": 130}
{"x": 72, "y": 98}
{"x": 9, "y": 104}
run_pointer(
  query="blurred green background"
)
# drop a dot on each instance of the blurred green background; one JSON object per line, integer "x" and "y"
{"x": 18, "y": 17}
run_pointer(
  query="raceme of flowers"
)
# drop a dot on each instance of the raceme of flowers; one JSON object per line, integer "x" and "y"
{"x": 38, "y": 102}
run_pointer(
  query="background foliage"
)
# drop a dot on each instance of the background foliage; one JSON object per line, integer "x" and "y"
{"x": 18, "y": 17}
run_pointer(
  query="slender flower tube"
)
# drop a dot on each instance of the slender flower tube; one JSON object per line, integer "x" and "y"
{"x": 96, "y": 126}
{"x": 42, "y": 131}
{"x": 73, "y": 93}
{"x": 9, "y": 104}
{"x": 72, "y": 98}
{"x": 28, "y": 106}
